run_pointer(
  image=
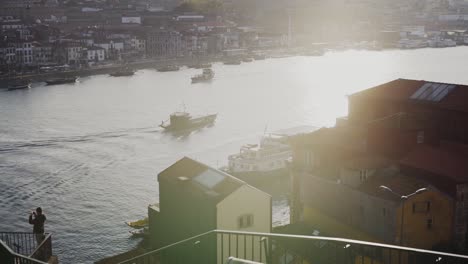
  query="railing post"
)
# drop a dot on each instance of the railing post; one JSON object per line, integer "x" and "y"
{"x": 265, "y": 245}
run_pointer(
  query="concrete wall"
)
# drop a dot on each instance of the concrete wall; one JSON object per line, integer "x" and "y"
{"x": 244, "y": 201}
{"x": 357, "y": 210}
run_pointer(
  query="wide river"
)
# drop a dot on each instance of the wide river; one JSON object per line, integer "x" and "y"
{"x": 89, "y": 153}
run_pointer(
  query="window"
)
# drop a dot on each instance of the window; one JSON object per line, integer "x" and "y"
{"x": 420, "y": 137}
{"x": 421, "y": 207}
{"x": 384, "y": 211}
{"x": 363, "y": 175}
{"x": 245, "y": 221}
{"x": 429, "y": 223}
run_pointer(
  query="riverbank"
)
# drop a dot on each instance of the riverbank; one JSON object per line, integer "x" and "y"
{"x": 137, "y": 65}
{"x": 40, "y": 77}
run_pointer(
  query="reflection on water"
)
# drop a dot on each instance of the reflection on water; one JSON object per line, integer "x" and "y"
{"x": 89, "y": 153}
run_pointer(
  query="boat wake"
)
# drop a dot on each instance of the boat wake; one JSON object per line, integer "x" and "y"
{"x": 10, "y": 146}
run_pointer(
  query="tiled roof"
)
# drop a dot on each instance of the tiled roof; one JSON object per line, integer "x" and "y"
{"x": 211, "y": 182}
{"x": 393, "y": 179}
{"x": 457, "y": 99}
{"x": 402, "y": 89}
{"x": 397, "y": 90}
{"x": 350, "y": 138}
{"x": 445, "y": 161}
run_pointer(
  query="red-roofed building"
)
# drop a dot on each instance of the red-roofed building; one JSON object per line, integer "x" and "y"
{"x": 407, "y": 124}
{"x": 444, "y": 106}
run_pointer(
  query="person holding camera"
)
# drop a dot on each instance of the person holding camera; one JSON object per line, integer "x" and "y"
{"x": 37, "y": 219}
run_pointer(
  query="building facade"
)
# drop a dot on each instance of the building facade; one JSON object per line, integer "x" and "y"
{"x": 160, "y": 44}
{"x": 405, "y": 135}
{"x": 194, "y": 199}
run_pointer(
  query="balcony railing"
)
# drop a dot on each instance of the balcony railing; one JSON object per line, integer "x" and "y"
{"x": 218, "y": 245}
{"x": 19, "y": 247}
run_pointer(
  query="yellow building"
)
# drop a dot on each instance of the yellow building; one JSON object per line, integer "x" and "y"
{"x": 370, "y": 213}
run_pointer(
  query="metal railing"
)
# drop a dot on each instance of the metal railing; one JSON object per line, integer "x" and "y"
{"x": 26, "y": 247}
{"x": 218, "y": 245}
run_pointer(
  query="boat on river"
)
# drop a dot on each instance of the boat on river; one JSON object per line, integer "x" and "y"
{"x": 181, "y": 121}
{"x": 142, "y": 223}
{"x": 168, "y": 68}
{"x": 261, "y": 163}
{"x": 123, "y": 72}
{"x": 61, "y": 80}
{"x": 19, "y": 85}
{"x": 207, "y": 75}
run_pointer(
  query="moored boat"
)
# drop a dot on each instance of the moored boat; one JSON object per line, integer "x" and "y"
{"x": 232, "y": 62}
{"x": 19, "y": 86}
{"x": 314, "y": 53}
{"x": 168, "y": 68}
{"x": 259, "y": 164}
{"x": 207, "y": 75}
{"x": 180, "y": 121}
{"x": 142, "y": 223}
{"x": 259, "y": 56}
{"x": 123, "y": 72}
{"x": 61, "y": 80}
{"x": 200, "y": 65}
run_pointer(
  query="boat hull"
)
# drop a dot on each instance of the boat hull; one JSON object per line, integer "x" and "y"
{"x": 232, "y": 62}
{"x": 64, "y": 81}
{"x": 202, "y": 78}
{"x": 168, "y": 69}
{"x": 194, "y": 123}
{"x": 121, "y": 74}
{"x": 19, "y": 87}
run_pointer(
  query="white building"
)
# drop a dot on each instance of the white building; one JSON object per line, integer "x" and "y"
{"x": 131, "y": 20}
{"x": 113, "y": 48}
{"x": 24, "y": 53}
{"x": 137, "y": 43}
{"x": 195, "y": 198}
{"x": 95, "y": 54}
{"x": 43, "y": 54}
{"x": 73, "y": 54}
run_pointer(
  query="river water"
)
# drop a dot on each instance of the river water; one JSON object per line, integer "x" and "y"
{"x": 89, "y": 153}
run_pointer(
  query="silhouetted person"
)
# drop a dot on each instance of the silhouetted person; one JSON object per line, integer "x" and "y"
{"x": 37, "y": 219}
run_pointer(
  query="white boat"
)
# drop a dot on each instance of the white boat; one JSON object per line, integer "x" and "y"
{"x": 205, "y": 76}
{"x": 412, "y": 43}
{"x": 269, "y": 157}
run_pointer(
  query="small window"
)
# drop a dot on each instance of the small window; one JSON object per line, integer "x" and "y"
{"x": 363, "y": 175}
{"x": 421, "y": 207}
{"x": 384, "y": 211}
{"x": 420, "y": 137}
{"x": 245, "y": 221}
{"x": 429, "y": 223}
